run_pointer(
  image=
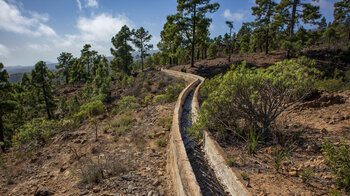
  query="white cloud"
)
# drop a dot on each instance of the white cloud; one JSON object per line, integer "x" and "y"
{"x": 91, "y": 3}
{"x": 79, "y": 4}
{"x": 96, "y": 30}
{"x": 101, "y": 27}
{"x": 237, "y": 17}
{"x": 12, "y": 20}
{"x": 87, "y": 4}
{"x": 4, "y": 51}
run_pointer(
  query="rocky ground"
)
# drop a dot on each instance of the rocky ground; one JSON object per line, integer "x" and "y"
{"x": 128, "y": 157}
{"x": 303, "y": 170}
{"x": 133, "y": 163}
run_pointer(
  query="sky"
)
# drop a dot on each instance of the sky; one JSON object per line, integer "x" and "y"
{"x": 35, "y": 30}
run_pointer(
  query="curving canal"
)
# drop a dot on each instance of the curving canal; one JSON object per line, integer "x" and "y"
{"x": 205, "y": 175}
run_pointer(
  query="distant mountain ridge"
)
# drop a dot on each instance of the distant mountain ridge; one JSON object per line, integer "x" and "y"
{"x": 16, "y": 72}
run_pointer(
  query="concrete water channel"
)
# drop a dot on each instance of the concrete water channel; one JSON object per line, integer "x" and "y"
{"x": 205, "y": 175}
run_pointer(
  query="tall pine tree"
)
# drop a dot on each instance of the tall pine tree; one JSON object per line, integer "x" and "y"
{"x": 192, "y": 11}
{"x": 141, "y": 38}
{"x": 230, "y": 26}
{"x": 290, "y": 13}
{"x": 342, "y": 15}
{"x": 64, "y": 65}
{"x": 6, "y": 102}
{"x": 122, "y": 52}
{"x": 264, "y": 14}
{"x": 41, "y": 79}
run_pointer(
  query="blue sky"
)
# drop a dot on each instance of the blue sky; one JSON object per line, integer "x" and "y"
{"x": 34, "y": 30}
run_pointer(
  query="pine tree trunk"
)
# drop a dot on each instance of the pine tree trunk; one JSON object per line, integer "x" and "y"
{"x": 193, "y": 34}
{"x": 229, "y": 47}
{"x": 141, "y": 61}
{"x": 2, "y": 130}
{"x": 126, "y": 59}
{"x": 292, "y": 23}
{"x": 67, "y": 79}
{"x": 268, "y": 29}
{"x": 46, "y": 103}
{"x": 267, "y": 41}
{"x": 142, "y": 54}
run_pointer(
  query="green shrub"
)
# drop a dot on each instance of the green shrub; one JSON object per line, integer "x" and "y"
{"x": 166, "y": 122}
{"x": 212, "y": 51}
{"x": 231, "y": 161}
{"x": 73, "y": 105}
{"x": 127, "y": 81}
{"x": 306, "y": 174}
{"x": 93, "y": 108}
{"x": 172, "y": 91}
{"x": 38, "y": 129}
{"x": 161, "y": 142}
{"x": 245, "y": 176}
{"x": 210, "y": 86}
{"x": 123, "y": 121}
{"x": 159, "y": 99}
{"x": 333, "y": 84}
{"x": 90, "y": 109}
{"x": 256, "y": 95}
{"x": 338, "y": 159}
{"x": 128, "y": 103}
{"x": 147, "y": 100}
{"x": 278, "y": 157}
{"x": 123, "y": 124}
{"x": 253, "y": 141}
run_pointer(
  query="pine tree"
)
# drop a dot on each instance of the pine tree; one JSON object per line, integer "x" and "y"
{"x": 171, "y": 38}
{"x": 77, "y": 71}
{"x": 141, "y": 37}
{"x": 149, "y": 61}
{"x": 219, "y": 44}
{"x": 41, "y": 80}
{"x": 342, "y": 15}
{"x": 257, "y": 40}
{"x": 6, "y": 102}
{"x": 322, "y": 26}
{"x": 122, "y": 52}
{"x": 64, "y": 65}
{"x": 243, "y": 36}
{"x": 213, "y": 50}
{"x": 88, "y": 58}
{"x": 230, "y": 26}
{"x": 290, "y": 13}
{"x": 330, "y": 34}
{"x": 192, "y": 11}
{"x": 102, "y": 80}
{"x": 264, "y": 14}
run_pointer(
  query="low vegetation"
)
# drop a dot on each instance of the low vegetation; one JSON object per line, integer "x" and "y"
{"x": 123, "y": 124}
{"x": 94, "y": 171}
{"x": 338, "y": 159}
{"x": 161, "y": 142}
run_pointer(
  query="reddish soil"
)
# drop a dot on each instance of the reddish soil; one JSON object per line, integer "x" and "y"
{"x": 132, "y": 162}
{"x": 325, "y": 118}
{"x": 56, "y": 167}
